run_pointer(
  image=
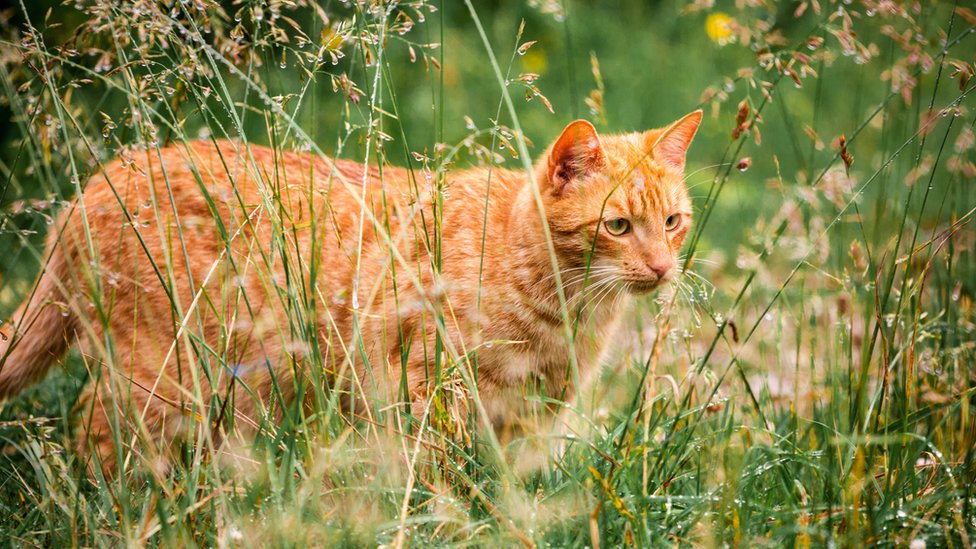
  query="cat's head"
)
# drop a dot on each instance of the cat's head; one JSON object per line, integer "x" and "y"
{"x": 621, "y": 197}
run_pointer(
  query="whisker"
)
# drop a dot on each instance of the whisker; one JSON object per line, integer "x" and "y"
{"x": 699, "y": 170}
{"x": 574, "y": 280}
{"x": 592, "y": 276}
{"x": 583, "y": 268}
{"x": 580, "y": 300}
{"x": 703, "y": 287}
{"x": 607, "y": 294}
{"x": 607, "y": 286}
{"x": 620, "y": 295}
{"x": 593, "y": 269}
{"x": 705, "y": 261}
{"x": 697, "y": 184}
{"x": 697, "y": 277}
{"x": 683, "y": 291}
{"x": 697, "y": 259}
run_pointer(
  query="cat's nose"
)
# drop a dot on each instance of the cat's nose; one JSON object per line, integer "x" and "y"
{"x": 660, "y": 266}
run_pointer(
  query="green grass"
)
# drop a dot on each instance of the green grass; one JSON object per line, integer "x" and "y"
{"x": 812, "y": 384}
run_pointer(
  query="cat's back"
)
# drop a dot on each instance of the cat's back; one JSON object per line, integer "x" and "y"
{"x": 182, "y": 174}
{"x": 174, "y": 212}
{"x": 225, "y": 185}
{"x": 190, "y": 203}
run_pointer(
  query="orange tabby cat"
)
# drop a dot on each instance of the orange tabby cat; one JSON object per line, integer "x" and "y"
{"x": 203, "y": 280}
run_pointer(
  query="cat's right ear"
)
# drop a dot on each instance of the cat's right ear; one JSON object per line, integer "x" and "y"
{"x": 575, "y": 153}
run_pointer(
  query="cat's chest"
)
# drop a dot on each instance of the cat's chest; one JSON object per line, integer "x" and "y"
{"x": 546, "y": 357}
{"x": 520, "y": 383}
{"x": 519, "y": 342}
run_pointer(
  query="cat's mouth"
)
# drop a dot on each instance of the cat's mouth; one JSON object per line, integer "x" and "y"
{"x": 643, "y": 287}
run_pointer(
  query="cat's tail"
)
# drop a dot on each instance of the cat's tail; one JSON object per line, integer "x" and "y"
{"x": 40, "y": 332}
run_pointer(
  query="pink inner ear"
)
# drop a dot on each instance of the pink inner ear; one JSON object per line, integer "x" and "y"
{"x": 575, "y": 153}
{"x": 672, "y": 145}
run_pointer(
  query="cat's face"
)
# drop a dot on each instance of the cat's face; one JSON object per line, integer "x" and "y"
{"x": 620, "y": 202}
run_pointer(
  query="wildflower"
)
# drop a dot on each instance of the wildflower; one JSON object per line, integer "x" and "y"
{"x": 718, "y": 27}
{"x": 845, "y": 155}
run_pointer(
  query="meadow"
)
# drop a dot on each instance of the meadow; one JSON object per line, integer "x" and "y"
{"x": 810, "y": 379}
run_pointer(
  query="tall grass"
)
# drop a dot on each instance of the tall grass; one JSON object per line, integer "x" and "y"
{"x": 808, "y": 381}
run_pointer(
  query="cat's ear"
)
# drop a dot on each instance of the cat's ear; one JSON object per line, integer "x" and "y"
{"x": 575, "y": 153}
{"x": 670, "y": 144}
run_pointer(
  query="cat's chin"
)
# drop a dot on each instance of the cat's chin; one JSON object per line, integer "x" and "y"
{"x": 643, "y": 287}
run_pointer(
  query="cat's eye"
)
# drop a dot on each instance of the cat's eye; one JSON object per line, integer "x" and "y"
{"x": 672, "y": 222}
{"x": 618, "y": 226}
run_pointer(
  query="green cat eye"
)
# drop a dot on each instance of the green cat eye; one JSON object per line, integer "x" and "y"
{"x": 671, "y": 223}
{"x": 617, "y": 227}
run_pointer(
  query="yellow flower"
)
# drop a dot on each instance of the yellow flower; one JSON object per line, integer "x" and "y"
{"x": 718, "y": 27}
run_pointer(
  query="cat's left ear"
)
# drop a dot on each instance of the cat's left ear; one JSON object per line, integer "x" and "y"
{"x": 671, "y": 144}
{"x": 575, "y": 153}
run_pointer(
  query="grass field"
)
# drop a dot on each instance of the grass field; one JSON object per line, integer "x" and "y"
{"x": 810, "y": 380}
